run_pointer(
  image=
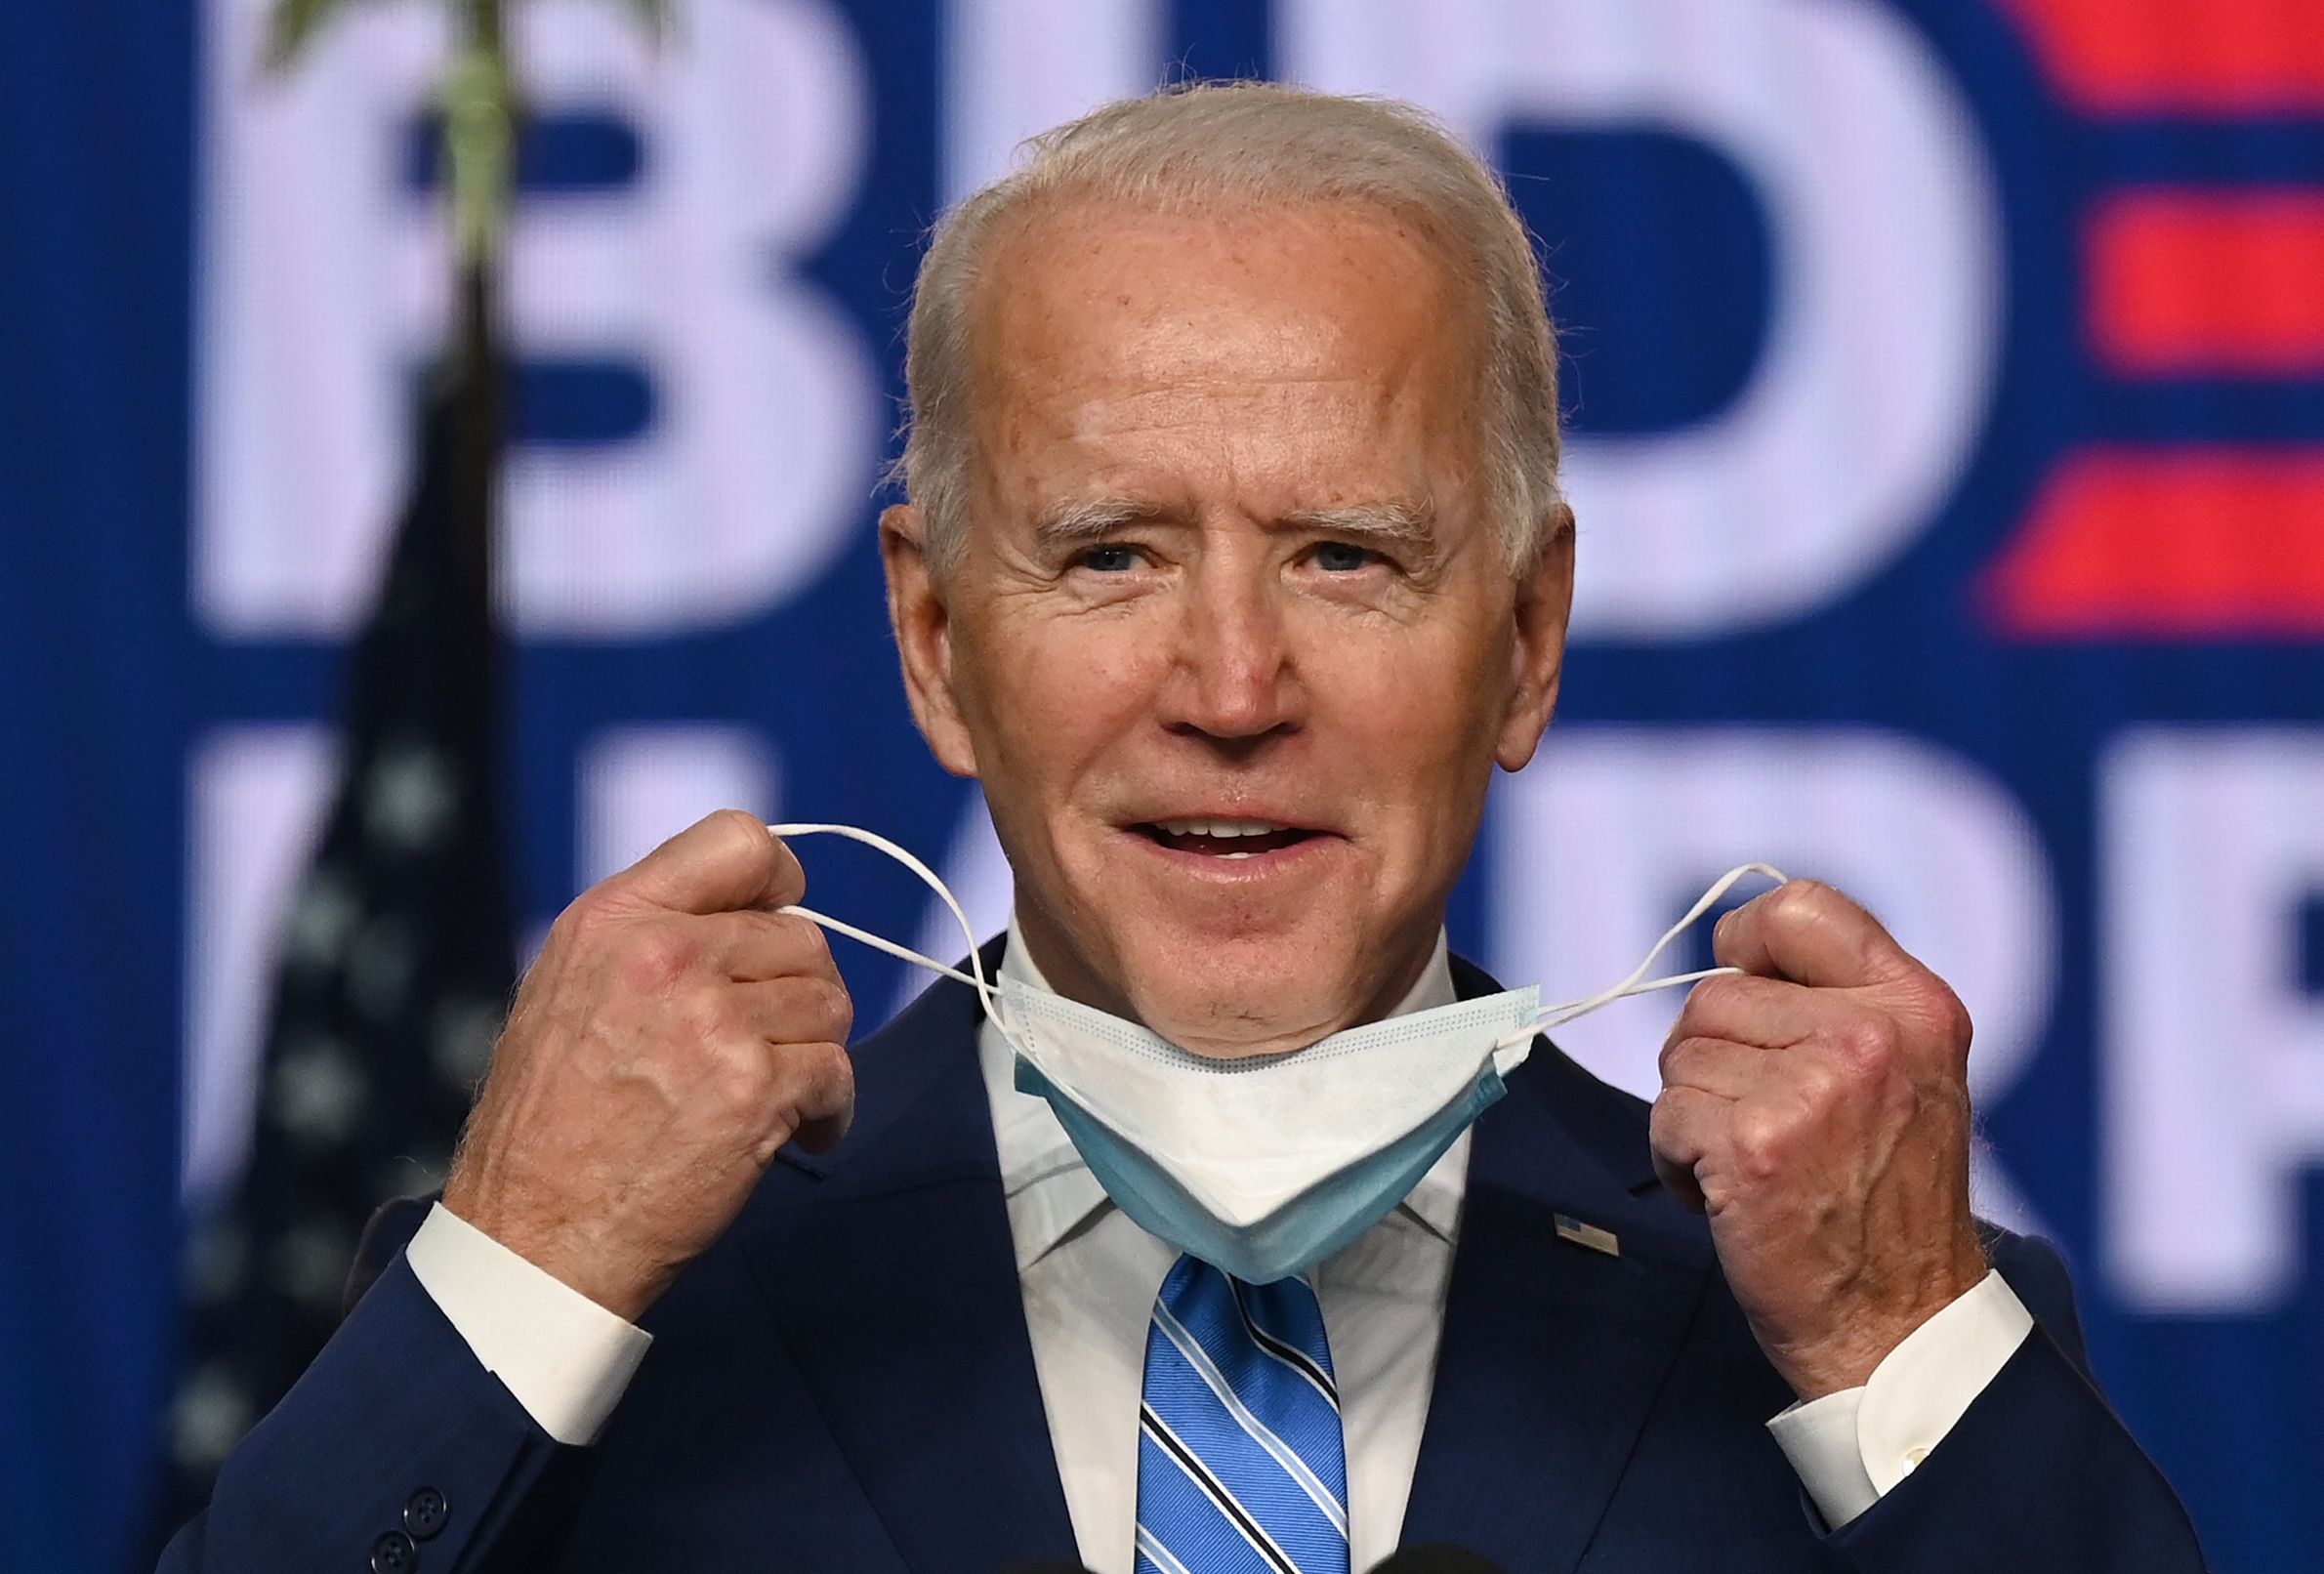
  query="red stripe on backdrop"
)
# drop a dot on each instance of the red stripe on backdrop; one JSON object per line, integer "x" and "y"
{"x": 2211, "y": 57}
{"x": 2186, "y": 282}
{"x": 2209, "y": 543}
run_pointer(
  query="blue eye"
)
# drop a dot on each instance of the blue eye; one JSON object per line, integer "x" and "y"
{"x": 1338, "y": 558}
{"x": 1111, "y": 560}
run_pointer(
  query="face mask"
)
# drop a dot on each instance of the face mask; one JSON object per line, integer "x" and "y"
{"x": 1262, "y": 1167}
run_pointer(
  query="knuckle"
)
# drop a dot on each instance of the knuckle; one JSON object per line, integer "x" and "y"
{"x": 838, "y": 1066}
{"x": 739, "y": 1076}
{"x": 806, "y": 1008}
{"x": 1954, "y": 1026}
{"x": 1680, "y": 1052}
{"x": 816, "y": 1077}
{"x": 655, "y": 960}
{"x": 699, "y": 1023}
{"x": 1867, "y": 1043}
{"x": 583, "y": 917}
{"x": 1817, "y": 1086}
{"x": 1760, "y": 1139}
{"x": 707, "y": 1016}
{"x": 834, "y": 1008}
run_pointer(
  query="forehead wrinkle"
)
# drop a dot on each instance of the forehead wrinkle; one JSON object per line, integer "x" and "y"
{"x": 1133, "y": 407}
{"x": 1114, "y": 379}
{"x": 1027, "y": 312}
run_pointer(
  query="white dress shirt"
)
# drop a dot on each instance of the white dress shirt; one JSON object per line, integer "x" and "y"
{"x": 1090, "y": 1276}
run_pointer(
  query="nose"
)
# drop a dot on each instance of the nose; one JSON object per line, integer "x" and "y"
{"x": 1233, "y": 677}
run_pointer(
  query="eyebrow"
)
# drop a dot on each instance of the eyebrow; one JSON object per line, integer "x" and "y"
{"x": 1391, "y": 525}
{"x": 1067, "y": 526}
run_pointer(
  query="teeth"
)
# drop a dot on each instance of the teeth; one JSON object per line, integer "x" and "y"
{"x": 1219, "y": 828}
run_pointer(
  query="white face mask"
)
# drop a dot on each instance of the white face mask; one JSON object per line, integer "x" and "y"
{"x": 1262, "y": 1167}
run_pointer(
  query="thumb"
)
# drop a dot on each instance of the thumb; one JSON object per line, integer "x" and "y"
{"x": 724, "y": 862}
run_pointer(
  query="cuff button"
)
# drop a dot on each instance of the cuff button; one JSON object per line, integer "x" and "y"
{"x": 393, "y": 1553}
{"x": 425, "y": 1515}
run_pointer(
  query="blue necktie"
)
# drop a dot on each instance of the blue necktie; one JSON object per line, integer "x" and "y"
{"x": 1241, "y": 1465}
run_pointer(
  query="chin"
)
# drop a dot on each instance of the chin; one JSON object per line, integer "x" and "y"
{"x": 1250, "y": 995}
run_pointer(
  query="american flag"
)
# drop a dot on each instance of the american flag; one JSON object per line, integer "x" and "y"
{"x": 395, "y": 960}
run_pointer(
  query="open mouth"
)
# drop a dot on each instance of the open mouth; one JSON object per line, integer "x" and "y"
{"x": 1224, "y": 839}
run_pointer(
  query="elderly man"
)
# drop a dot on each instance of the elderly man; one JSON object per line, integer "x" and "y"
{"x": 1233, "y": 562}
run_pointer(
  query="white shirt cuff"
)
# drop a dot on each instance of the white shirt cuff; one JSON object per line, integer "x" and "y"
{"x": 564, "y": 1358}
{"x": 1851, "y": 1448}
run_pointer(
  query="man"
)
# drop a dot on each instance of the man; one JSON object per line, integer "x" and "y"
{"x": 1234, "y": 561}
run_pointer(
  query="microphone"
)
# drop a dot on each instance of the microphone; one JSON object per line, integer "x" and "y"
{"x": 1436, "y": 1558}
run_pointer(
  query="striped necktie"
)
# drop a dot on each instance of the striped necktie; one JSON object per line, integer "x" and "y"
{"x": 1240, "y": 1465}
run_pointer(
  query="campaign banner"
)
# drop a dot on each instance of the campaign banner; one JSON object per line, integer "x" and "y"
{"x": 1946, "y": 384}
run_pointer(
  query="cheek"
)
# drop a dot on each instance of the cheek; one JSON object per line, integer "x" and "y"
{"x": 1042, "y": 694}
{"x": 1423, "y": 708}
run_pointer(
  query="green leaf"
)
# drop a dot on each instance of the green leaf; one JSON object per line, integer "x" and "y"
{"x": 295, "y": 22}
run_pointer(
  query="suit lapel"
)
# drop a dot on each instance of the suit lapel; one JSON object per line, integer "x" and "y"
{"x": 893, "y": 1284}
{"x": 1552, "y": 1351}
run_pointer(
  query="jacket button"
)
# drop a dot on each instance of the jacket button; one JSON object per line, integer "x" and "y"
{"x": 425, "y": 1515}
{"x": 393, "y": 1553}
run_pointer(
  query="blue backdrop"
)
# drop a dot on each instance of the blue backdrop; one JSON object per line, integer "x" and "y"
{"x": 1948, "y": 388}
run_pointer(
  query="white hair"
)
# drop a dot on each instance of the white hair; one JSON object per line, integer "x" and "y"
{"x": 1194, "y": 148}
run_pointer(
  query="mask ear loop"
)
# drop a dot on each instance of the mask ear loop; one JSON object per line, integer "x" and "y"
{"x": 904, "y": 953}
{"x": 1638, "y": 983}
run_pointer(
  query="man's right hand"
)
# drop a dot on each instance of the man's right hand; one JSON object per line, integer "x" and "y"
{"x": 674, "y": 1032}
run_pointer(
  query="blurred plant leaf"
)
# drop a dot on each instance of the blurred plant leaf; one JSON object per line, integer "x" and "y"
{"x": 295, "y": 22}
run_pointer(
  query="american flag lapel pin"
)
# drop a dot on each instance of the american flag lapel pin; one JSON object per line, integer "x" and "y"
{"x": 1589, "y": 1235}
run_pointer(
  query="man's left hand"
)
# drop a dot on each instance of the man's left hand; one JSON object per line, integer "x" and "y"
{"x": 1816, "y": 1108}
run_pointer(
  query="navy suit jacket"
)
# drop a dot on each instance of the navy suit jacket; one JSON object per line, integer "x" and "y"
{"x": 844, "y": 1383}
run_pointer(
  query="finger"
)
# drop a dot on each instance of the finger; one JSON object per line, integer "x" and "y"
{"x": 722, "y": 862}
{"x": 1806, "y": 932}
{"x": 797, "y": 1009}
{"x": 819, "y": 1082}
{"x": 1720, "y": 1066}
{"x": 1680, "y": 1130}
{"x": 756, "y": 944}
{"x": 1750, "y": 1010}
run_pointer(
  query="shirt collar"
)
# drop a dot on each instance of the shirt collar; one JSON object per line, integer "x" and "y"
{"x": 1051, "y": 1192}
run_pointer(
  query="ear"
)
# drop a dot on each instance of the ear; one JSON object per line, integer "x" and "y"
{"x": 923, "y": 623}
{"x": 1537, "y": 656}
